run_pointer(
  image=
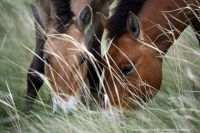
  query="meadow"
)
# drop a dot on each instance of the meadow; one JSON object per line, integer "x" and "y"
{"x": 176, "y": 108}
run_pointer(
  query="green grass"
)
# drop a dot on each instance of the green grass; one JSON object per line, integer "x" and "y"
{"x": 176, "y": 108}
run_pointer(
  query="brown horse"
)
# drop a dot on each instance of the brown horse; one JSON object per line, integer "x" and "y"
{"x": 64, "y": 49}
{"x": 66, "y": 67}
{"x": 141, "y": 32}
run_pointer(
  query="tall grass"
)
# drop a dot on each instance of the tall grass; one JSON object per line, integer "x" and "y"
{"x": 176, "y": 108}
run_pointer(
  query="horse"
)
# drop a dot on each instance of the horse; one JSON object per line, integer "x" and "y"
{"x": 62, "y": 54}
{"x": 140, "y": 34}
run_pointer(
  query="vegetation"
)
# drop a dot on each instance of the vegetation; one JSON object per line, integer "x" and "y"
{"x": 176, "y": 108}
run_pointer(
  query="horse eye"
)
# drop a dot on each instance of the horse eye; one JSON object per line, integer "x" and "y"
{"x": 46, "y": 60}
{"x": 127, "y": 70}
{"x": 83, "y": 60}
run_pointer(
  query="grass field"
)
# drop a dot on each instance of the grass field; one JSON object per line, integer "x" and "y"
{"x": 176, "y": 108}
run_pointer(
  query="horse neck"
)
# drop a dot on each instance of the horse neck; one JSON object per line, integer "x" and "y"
{"x": 162, "y": 27}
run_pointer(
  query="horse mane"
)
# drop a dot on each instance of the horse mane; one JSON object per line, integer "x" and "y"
{"x": 117, "y": 22}
{"x": 63, "y": 13}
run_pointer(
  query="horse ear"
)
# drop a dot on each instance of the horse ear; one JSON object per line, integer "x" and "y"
{"x": 41, "y": 17}
{"x": 103, "y": 19}
{"x": 37, "y": 16}
{"x": 84, "y": 19}
{"x": 133, "y": 25}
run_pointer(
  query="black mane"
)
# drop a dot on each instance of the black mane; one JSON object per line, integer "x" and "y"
{"x": 63, "y": 13}
{"x": 117, "y": 22}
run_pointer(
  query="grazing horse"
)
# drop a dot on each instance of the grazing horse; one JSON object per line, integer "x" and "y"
{"x": 141, "y": 32}
{"x": 64, "y": 49}
{"x": 65, "y": 56}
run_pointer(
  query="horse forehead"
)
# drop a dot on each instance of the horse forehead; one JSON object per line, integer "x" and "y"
{"x": 125, "y": 47}
{"x": 58, "y": 43}
{"x": 71, "y": 32}
{"x": 64, "y": 47}
{"x": 126, "y": 40}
